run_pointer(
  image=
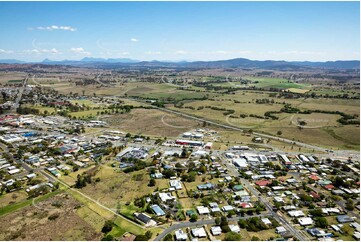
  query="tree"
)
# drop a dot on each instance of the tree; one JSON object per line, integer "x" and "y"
{"x": 141, "y": 237}
{"x": 194, "y": 217}
{"x": 232, "y": 236}
{"x": 279, "y": 132}
{"x": 168, "y": 237}
{"x": 148, "y": 234}
{"x": 255, "y": 238}
{"x": 321, "y": 222}
{"x": 108, "y": 226}
{"x": 218, "y": 220}
{"x": 109, "y": 237}
{"x": 242, "y": 223}
{"x": 316, "y": 212}
{"x": 224, "y": 220}
{"x": 151, "y": 182}
{"x": 350, "y": 205}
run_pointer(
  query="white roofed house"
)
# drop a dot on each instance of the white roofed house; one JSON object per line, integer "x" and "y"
{"x": 214, "y": 207}
{"x": 305, "y": 221}
{"x": 296, "y": 213}
{"x": 234, "y": 228}
{"x": 202, "y": 210}
{"x": 199, "y": 232}
{"x": 180, "y": 235}
{"x": 227, "y": 208}
{"x": 266, "y": 221}
{"x": 176, "y": 184}
{"x": 216, "y": 230}
{"x": 166, "y": 197}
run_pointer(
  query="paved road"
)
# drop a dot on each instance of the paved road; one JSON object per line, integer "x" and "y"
{"x": 277, "y": 216}
{"x": 201, "y": 223}
{"x": 20, "y": 94}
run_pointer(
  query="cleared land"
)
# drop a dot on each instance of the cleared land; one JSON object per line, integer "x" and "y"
{"x": 52, "y": 219}
{"x": 151, "y": 122}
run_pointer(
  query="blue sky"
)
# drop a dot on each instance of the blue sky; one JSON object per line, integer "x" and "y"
{"x": 315, "y": 31}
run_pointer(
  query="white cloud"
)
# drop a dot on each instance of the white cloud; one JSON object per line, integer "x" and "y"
{"x": 134, "y": 40}
{"x": 152, "y": 52}
{"x": 54, "y": 27}
{"x": 6, "y": 51}
{"x": 181, "y": 52}
{"x": 80, "y": 51}
{"x": 41, "y": 51}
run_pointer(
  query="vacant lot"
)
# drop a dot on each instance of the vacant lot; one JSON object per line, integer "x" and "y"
{"x": 52, "y": 219}
{"x": 151, "y": 122}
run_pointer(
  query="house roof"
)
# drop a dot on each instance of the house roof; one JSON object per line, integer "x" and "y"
{"x": 314, "y": 177}
{"x": 329, "y": 187}
{"x": 263, "y": 183}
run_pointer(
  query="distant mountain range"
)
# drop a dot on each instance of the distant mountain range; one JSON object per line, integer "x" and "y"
{"x": 232, "y": 63}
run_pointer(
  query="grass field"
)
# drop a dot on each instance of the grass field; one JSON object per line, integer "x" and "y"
{"x": 13, "y": 207}
{"x": 317, "y": 131}
{"x": 269, "y": 82}
{"x": 151, "y": 122}
{"x": 12, "y": 198}
{"x": 297, "y": 90}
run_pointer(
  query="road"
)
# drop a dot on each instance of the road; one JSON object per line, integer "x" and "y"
{"x": 277, "y": 216}
{"x": 201, "y": 223}
{"x": 233, "y": 171}
{"x": 20, "y": 94}
{"x": 54, "y": 179}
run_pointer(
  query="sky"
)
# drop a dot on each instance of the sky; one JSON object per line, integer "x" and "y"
{"x": 292, "y": 31}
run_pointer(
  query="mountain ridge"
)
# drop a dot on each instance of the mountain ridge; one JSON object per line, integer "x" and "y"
{"x": 230, "y": 63}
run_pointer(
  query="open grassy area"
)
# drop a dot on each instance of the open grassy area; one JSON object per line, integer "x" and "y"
{"x": 13, "y": 207}
{"x": 47, "y": 222}
{"x": 118, "y": 187}
{"x": 12, "y": 198}
{"x": 151, "y": 122}
{"x": 270, "y": 82}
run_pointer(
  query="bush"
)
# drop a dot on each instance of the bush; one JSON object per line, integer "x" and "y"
{"x": 168, "y": 237}
{"x": 232, "y": 236}
{"x": 53, "y": 216}
{"x": 108, "y": 226}
{"x": 141, "y": 237}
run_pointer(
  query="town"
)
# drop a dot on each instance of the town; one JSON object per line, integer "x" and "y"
{"x": 180, "y": 121}
{"x": 185, "y": 185}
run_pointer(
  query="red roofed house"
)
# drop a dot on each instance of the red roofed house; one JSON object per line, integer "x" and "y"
{"x": 329, "y": 187}
{"x": 263, "y": 183}
{"x": 314, "y": 177}
{"x": 246, "y": 205}
{"x": 314, "y": 195}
